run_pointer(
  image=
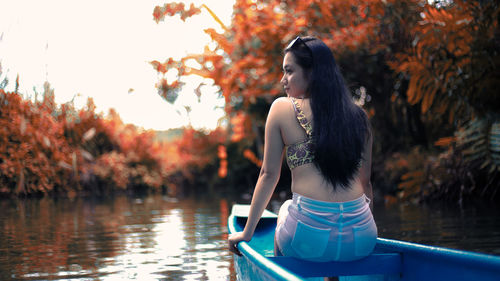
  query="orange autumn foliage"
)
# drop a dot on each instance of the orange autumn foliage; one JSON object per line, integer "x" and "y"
{"x": 50, "y": 149}
{"x": 441, "y": 60}
{"x": 173, "y": 9}
{"x": 252, "y": 157}
{"x": 34, "y": 158}
{"x": 246, "y": 61}
{"x": 253, "y": 44}
{"x": 196, "y": 150}
{"x": 418, "y": 60}
{"x": 222, "y": 154}
{"x": 452, "y": 70}
{"x": 239, "y": 128}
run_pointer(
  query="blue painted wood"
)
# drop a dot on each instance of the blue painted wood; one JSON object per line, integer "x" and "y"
{"x": 377, "y": 263}
{"x": 392, "y": 260}
{"x": 421, "y": 262}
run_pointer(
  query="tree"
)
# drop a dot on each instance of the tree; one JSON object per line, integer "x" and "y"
{"x": 408, "y": 61}
{"x": 452, "y": 69}
{"x": 246, "y": 62}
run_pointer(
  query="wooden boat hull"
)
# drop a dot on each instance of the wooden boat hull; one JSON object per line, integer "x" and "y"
{"x": 391, "y": 259}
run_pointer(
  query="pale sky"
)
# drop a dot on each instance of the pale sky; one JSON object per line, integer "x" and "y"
{"x": 101, "y": 49}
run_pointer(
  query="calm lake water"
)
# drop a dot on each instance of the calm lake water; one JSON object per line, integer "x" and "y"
{"x": 161, "y": 238}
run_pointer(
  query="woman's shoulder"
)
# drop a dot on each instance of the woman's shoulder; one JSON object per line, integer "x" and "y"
{"x": 281, "y": 101}
{"x": 282, "y": 105}
{"x": 281, "y": 109}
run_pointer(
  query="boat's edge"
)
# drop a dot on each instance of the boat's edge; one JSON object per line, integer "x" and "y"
{"x": 472, "y": 258}
{"x": 275, "y": 271}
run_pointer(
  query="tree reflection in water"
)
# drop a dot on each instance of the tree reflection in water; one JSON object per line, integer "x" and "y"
{"x": 150, "y": 238}
{"x": 160, "y": 238}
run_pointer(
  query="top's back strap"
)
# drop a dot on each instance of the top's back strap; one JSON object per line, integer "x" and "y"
{"x": 304, "y": 123}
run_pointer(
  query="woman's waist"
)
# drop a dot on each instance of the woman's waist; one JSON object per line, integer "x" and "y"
{"x": 323, "y": 213}
{"x": 318, "y": 188}
{"x": 318, "y": 205}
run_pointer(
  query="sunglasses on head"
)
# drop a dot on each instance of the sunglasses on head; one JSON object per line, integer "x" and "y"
{"x": 297, "y": 41}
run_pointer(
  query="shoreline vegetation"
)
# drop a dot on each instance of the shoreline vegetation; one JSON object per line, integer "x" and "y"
{"x": 427, "y": 74}
{"x": 58, "y": 150}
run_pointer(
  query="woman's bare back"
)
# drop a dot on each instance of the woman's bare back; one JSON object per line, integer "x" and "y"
{"x": 307, "y": 179}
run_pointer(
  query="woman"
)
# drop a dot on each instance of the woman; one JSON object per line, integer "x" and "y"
{"x": 327, "y": 143}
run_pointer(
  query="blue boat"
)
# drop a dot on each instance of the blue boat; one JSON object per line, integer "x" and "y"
{"x": 391, "y": 259}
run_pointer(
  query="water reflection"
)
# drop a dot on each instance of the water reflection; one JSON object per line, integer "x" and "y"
{"x": 160, "y": 238}
{"x": 472, "y": 227}
{"x": 155, "y": 238}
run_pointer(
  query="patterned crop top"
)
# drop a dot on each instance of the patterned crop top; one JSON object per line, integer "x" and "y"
{"x": 302, "y": 152}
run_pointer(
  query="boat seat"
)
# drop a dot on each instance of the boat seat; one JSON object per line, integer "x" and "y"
{"x": 376, "y": 263}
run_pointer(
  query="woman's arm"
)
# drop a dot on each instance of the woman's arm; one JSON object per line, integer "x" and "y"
{"x": 268, "y": 177}
{"x": 366, "y": 169}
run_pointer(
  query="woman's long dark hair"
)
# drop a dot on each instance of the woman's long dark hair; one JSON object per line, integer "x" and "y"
{"x": 340, "y": 127}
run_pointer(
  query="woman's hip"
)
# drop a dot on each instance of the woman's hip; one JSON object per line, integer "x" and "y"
{"x": 340, "y": 231}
